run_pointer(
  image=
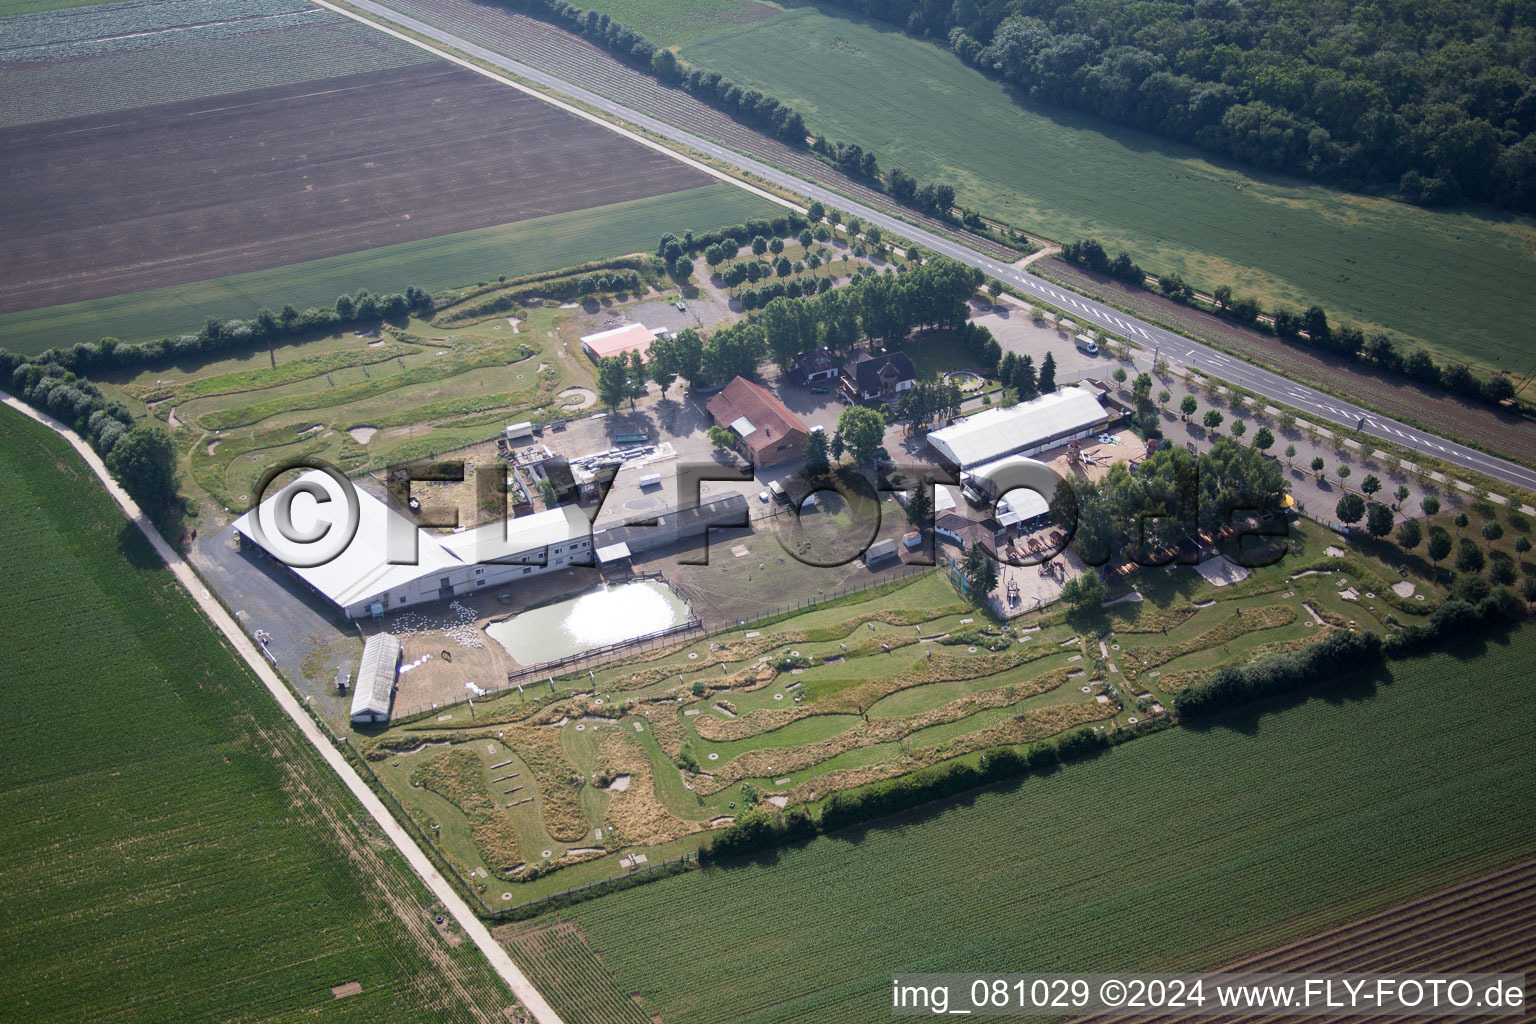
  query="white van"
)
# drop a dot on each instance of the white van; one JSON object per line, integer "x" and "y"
{"x": 650, "y": 480}
{"x": 1087, "y": 345}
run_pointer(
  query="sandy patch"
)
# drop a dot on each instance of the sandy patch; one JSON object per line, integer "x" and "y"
{"x": 512, "y": 322}
{"x": 351, "y": 988}
{"x": 1334, "y": 552}
{"x": 362, "y": 435}
{"x": 779, "y": 800}
{"x": 619, "y": 784}
{"x": 211, "y": 446}
{"x": 578, "y": 398}
{"x": 171, "y": 419}
{"x": 1403, "y": 589}
{"x": 1220, "y": 571}
{"x": 1316, "y": 618}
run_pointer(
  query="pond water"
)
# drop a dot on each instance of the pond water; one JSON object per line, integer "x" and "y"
{"x": 578, "y": 624}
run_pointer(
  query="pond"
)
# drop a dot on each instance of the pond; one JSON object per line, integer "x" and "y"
{"x": 606, "y": 616}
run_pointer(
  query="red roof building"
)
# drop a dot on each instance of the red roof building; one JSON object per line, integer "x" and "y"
{"x": 770, "y": 432}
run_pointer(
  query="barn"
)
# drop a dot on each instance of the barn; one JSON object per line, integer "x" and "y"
{"x": 766, "y": 426}
{"x": 617, "y": 341}
{"x": 376, "y": 680}
{"x": 362, "y": 580}
{"x": 1025, "y": 429}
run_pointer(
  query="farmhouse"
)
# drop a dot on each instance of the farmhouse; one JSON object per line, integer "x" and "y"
{"x": 816, "y": 365}
{"x": 361, "y": 580}
{"x": 1026, "y": 429}
{"x": 617, "y": 341}
{"x": 882, "y": 377}
{"x": 765, "y": 425}
{"x": 375, "y": 680}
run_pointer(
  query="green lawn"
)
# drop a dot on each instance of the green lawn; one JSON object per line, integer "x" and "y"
{"x": 669, "y": 22}
{"x": 1456, "y": 281}
{"x": 174, "y": 850}
{"x": 526, "y": 247}
{"x": 1181, "y": 849}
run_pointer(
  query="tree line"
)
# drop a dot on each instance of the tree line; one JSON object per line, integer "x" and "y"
{"x": 756, "y": 830}
{"x": 1310, "y": 327}
{"x": 1431, "y": 103}
{"x": 755, "y": 109}
{"x": 143, "y": 458}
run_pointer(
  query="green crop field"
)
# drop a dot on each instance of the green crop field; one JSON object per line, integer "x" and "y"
{"x": 10, "y": 8}
{"x": 544, "y": 243}
{"x": 174, "y": 849}
{"x": 669, "y": 22}
{"x": 1180, "y": 849}
{"x": 1455, "y": 281}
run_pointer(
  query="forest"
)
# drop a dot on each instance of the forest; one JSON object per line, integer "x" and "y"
{"x": 1433, "y": 102}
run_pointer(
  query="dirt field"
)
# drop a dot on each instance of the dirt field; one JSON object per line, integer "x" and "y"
{"x": 1483, "y": 924}
{"x": 113, "y": 203}
{"x": 1396, "y": 396}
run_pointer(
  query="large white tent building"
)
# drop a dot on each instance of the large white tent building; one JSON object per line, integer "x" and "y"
{"x": 362, "y": 581}
{"x": 1025, "y": 429}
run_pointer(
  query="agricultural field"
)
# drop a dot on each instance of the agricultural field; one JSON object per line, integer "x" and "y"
{"x": 1454, "y": 281}
{"x": 174, "y": 849}
{"x": 1183, "y": 849}
{"x": 96, "y": 58}
{"x": 862, "y": 689}
{"x": 425, "y": 151}
{"x": 669, "y": 22}
{"x": 436, "y": 264}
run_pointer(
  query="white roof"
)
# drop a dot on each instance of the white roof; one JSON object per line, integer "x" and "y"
{"x": 361, "y": 571}
{"x": 743, "y": 427}
{"x": 998, "y": 432}
{"x": 1022, "y": 506}
{"x": 376, "y": 675}
{"x": 613, "y": 552}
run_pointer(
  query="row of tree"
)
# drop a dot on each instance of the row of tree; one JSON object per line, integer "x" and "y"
{"x": 217, "y": 335}
{"x": 757, "y": 830}
{"x": 141, "y": 457}
{"x": 751, "y": 107}
{"x": 1436, "y": 104}
{"x": 1310, "y": 327}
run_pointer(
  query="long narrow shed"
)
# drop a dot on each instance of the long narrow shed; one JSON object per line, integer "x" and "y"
{"x": 376, "y": 679}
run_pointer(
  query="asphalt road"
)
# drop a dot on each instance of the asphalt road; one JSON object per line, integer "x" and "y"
{"x": 1178, "y": 349}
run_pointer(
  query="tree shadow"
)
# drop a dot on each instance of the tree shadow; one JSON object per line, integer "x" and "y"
{"x": 136, "y": 548}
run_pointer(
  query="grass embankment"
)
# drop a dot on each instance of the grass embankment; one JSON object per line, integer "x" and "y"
{"x": 175, "y": 850}
{"x": 1182, "y": 849}
{"x": 449, "y": 261}
{"x": 1454, "y": 281}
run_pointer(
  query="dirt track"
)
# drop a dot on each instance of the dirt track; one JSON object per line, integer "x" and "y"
{"x": 1396, "y": 396}
{"x": 114, "y": 203}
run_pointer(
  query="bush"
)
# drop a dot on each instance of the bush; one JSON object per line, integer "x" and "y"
{"x": 1233, "y": 686}
{"x": 1453, "y": 619}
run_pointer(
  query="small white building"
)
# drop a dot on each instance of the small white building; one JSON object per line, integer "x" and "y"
{"x": 375, "y": 689}
{"x": 1025, "y": 429}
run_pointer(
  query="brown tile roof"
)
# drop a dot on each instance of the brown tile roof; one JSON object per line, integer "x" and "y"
{"x": 777, "y": 434}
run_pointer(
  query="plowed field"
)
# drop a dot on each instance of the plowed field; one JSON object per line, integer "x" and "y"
{"x": 161, "y": 195}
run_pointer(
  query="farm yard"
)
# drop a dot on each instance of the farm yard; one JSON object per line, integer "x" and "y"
{"x": 1183, "y": 849}
{"x": 372, "y": 159}
{"x": 175, "y": 850}
{"x": 859, "y": 690}
{"x": 1453, "y": 281}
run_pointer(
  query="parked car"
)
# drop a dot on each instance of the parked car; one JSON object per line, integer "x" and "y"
{"x": 821, "y": 391}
